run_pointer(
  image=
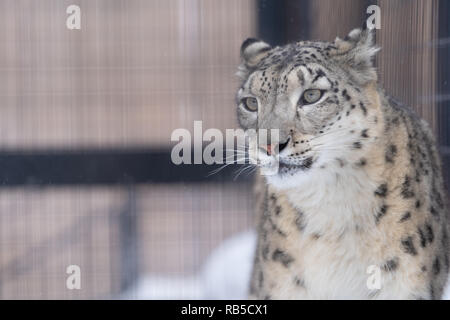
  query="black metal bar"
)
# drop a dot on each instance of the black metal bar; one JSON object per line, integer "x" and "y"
{"x": 283, "y": 21}
{"x": 444, "y": 73}
{"x": 297, "y": 20}
{"x": 270, "y": 21}
{"x": 443, "y": 107}
{"x": 446, "y": 170}
{"x": 104, "y": 167}
{"x": 128, "y": 235}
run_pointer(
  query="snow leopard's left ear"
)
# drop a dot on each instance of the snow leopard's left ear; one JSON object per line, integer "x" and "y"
{"x": 252, "y": 52}
{"x": 355, "y": 53}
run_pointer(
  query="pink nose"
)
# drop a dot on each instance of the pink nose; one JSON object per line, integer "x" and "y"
{"x": 268, "y": 149}
{"x": 271, "y": 148}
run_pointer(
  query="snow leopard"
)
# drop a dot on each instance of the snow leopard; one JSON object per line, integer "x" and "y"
{"x": 357, "y": 207}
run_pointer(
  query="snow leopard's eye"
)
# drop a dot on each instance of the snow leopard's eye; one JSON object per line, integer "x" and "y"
{"x": 250, "y": 103}
{"x": 310, "y": 96}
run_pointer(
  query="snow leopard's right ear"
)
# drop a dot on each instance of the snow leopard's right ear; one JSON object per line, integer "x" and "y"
{"x": 252, "y": 52}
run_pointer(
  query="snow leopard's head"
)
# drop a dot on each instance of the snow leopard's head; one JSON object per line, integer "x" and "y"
{"x": 318, "y": 96}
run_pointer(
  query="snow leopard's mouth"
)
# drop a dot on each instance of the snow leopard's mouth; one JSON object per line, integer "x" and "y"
{"x": 286, "y": 168}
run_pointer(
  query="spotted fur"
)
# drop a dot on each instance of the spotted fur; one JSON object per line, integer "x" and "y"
{"x": 359, "y": 182}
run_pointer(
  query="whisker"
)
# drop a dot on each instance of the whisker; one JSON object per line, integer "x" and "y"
{"x": 241, "y": 171}
{"x": 224, "y": 166}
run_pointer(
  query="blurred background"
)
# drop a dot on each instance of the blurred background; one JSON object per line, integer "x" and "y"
{"x": 86, "y": 120}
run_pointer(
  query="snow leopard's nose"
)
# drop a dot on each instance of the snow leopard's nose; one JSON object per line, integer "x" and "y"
{"x": 270, "y": 149}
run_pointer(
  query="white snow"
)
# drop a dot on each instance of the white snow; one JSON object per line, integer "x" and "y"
{"x": 225, "y": 275}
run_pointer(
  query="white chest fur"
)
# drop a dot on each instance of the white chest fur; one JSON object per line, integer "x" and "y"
{"x": 338, "y": 245}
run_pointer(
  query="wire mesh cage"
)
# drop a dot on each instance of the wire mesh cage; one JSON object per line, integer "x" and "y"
{"x": 86, "y": 124}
